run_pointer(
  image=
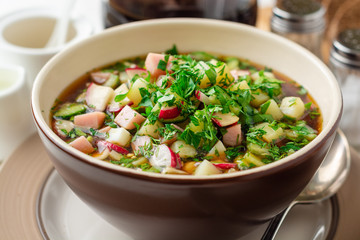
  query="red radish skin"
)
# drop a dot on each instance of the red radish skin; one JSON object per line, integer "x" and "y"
{"x": 164, "y": 157}
{"x": 202, "y": 97}
{"x": 90, "y": 120}
{"x": 169, "y": 112}
{"x": 224, "y": 166}
{"x": 102, "y": 144}
{"x": 82, "y": 144}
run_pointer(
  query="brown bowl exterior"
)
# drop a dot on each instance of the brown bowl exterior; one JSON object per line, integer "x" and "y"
{"x": 152, "y": 209}
{"x": 160, "y": 207}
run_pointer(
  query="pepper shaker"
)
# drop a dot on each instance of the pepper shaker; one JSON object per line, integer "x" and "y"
{"x": 302, "y": 21}
{"x": 345, "y": 63}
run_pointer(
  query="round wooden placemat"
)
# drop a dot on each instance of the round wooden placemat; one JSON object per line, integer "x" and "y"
{"x": 21, "y": 178}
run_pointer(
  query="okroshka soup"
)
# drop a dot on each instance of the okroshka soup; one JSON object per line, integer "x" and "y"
{"x": 189, "y": 114}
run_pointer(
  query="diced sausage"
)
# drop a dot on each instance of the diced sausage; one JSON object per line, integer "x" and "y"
{"x": 152, "y": 62}
{"x": 82, "y": 144}
{"x": 90, "y": 120}
{"x": 127, "y": 117}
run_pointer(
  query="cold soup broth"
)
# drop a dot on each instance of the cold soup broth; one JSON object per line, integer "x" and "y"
{"x": 196, "y": 113}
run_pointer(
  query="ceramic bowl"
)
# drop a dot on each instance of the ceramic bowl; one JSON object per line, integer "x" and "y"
{"x": 154, "y": 206}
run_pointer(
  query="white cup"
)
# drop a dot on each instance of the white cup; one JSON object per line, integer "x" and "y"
{"x": 15, "y": 118}
{"x": 24, "y": 34}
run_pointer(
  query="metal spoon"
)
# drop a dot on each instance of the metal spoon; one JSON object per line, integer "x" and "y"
{"x": 324, "y": 184}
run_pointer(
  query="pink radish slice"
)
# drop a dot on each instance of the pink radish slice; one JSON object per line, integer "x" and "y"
{"x": 103, "y": 144}
{"x": 100, "y": 77}
{"x": 140, "y": 142}
{"x": 202, "y": 97}
{"x": 169, "y": 112}
{"x": 164, "y": 157}
{"x": 225, "y": 165}
{"x": 131, "y": 72}
{"x": 236, "y": 73}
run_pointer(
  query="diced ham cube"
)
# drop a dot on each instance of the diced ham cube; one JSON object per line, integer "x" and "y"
{"x": 233, "y": 136}
{"x": 104, "y": 129}
{"x": 127, "y": 117}
{"x": 141, "y": 142}
{"x": 152, "y": 61}
{"x": 91, "y": 120}
{"x": 82, "y": 144}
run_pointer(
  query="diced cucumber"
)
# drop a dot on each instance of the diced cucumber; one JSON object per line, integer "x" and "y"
{"x": 113, "y": 81}
{"x": 234, "y": 107}
{"x": 70, "y": 109}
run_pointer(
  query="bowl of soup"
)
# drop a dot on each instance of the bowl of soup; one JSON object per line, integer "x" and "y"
{"x": 186, "y": 128}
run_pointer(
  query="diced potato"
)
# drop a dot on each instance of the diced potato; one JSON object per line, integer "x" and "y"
{"x": 258, "y": 98}
{"x": 114, "y": 155}
{"x": 292, "y": 107}
{"x": 134, "y": 92}
{"x": 202, "y": 67}
{"x": 122, "y": 89}
{"x": 250, "y": 158}
{"x": 184, "y": 150}
{"x": 119, "y": 136}
{"x": 150, "y": 129}
{"x": 273, "y": 109}
{"x": 217, "y": 151}
{"x": 255, "y": 76}
{"x": 257, "y": 149}
{"x": 271, "y": 134}
{"x": 196, "y": 128}
{"x": 224, "y": 77}
{"x": 206, "y": 168}
{"x": 239, "y": 85}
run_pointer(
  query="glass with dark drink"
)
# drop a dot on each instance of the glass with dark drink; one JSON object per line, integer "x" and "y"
{"x": 123, "y": 11}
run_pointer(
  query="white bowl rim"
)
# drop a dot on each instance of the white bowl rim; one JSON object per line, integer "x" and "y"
{"x": 267, "y": 169}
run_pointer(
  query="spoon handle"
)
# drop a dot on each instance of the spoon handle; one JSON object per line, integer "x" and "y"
{"x": 275, "y": 224}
